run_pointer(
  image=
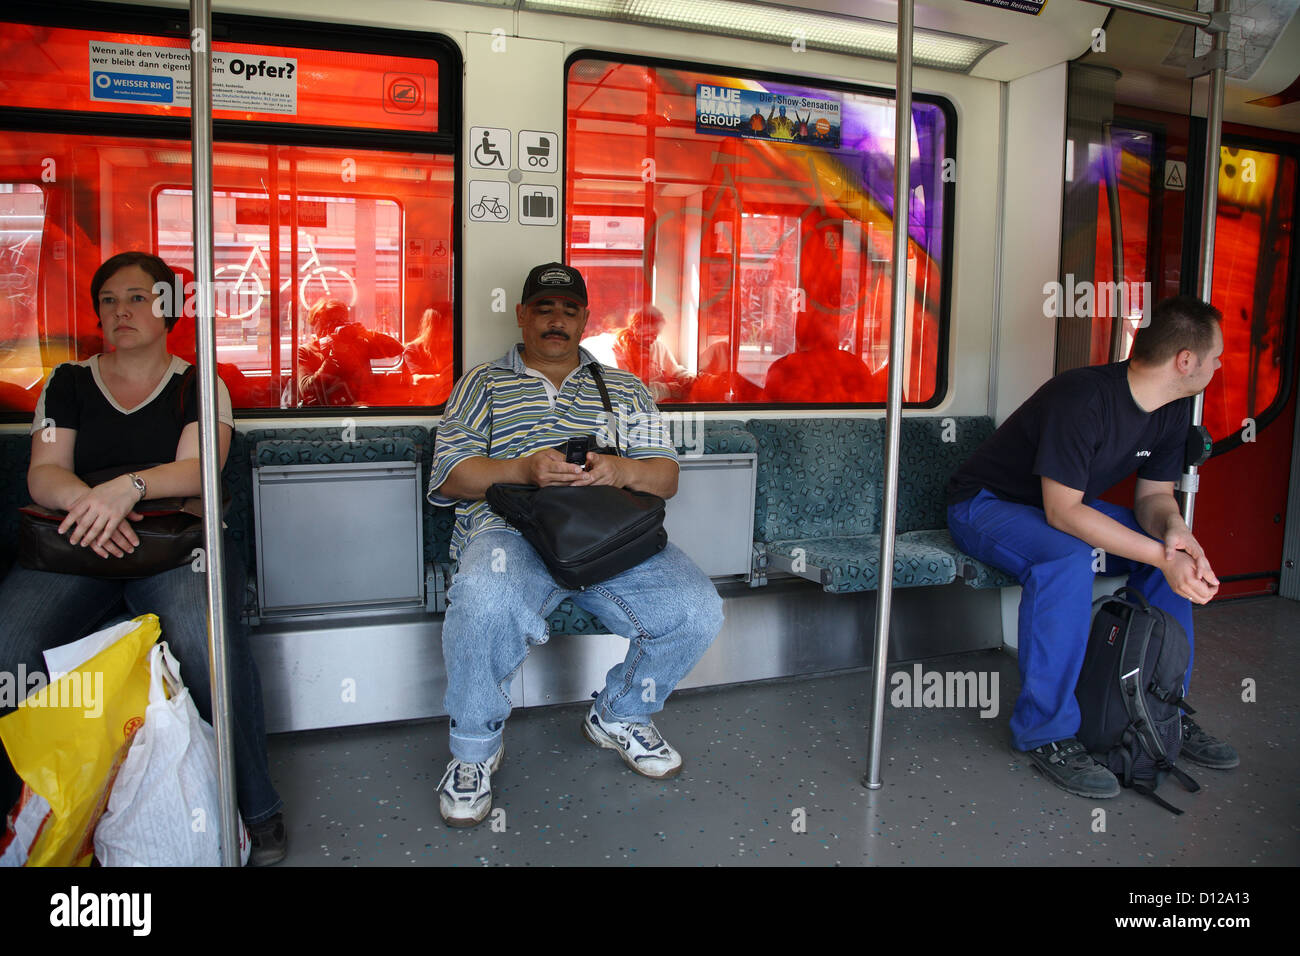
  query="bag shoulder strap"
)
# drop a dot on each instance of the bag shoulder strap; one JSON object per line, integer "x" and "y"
{"x": 594, "y": 367}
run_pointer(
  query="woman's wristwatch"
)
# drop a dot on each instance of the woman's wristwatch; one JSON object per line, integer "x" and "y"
{"x": 139, "y": 485}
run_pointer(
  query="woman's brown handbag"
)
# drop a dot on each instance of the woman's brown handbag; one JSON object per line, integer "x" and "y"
{"x": 170, "y": 533}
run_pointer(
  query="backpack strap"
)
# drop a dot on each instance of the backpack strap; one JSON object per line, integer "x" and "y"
{"x": 1132, "y": 656}
{"x": 1146, "y": 791}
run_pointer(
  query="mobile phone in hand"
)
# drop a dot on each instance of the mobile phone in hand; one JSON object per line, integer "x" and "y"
{"x": 575, "y": 450}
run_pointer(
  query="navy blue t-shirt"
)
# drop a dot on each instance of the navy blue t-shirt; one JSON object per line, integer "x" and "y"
{"x": 1082, "y": 429}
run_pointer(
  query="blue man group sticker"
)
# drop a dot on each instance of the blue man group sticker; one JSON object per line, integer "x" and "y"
{"x": 135, "y": 87}
{"x": 760, "y": 114}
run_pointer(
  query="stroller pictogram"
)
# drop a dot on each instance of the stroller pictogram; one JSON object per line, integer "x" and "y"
{"x": 539, "y": 155}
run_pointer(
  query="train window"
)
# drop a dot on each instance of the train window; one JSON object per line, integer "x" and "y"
{"x": 736, "y": 231}
{"x": 1252, "y": 256}
{"x": 22, "y": 222}
{"x": 360, "y": 231}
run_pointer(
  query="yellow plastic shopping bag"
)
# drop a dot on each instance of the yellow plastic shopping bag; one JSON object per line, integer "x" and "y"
{"x": 68, "y": 739}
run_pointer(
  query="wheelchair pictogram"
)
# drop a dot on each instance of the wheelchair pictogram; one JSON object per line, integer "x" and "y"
{"x": 489, "y": 148}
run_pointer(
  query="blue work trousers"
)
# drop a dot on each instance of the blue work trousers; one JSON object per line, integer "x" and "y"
{"x": 1055, "y": 570}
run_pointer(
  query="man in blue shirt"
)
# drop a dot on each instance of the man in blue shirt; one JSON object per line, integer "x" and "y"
{"x": 502, "y": 424}
{"x": 1028, "y": 502}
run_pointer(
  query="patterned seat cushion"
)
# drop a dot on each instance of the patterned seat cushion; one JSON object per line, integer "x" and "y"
{"x": 720, "y": 438}
{"x": 852, "y": 563}
{"x": 974, "y": 572}
{"x": 571, "y": 619}
{"x": 816, "y": 476}
{"x": 279, "y": 452}
{"x": 930, "y": 451}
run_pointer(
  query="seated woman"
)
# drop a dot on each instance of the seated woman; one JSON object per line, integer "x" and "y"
{"x": 124, "y": 409}
{"x": 426, "y": 361}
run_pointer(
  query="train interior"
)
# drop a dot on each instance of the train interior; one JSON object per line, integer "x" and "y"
{"x": 732, "y": 166}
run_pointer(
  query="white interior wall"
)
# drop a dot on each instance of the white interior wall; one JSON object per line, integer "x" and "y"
{"x": 1031, "y": 236}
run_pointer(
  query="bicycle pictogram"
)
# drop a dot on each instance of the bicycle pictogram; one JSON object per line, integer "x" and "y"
{"x": 489, "y": 204}
{"x": 241, "y": 291}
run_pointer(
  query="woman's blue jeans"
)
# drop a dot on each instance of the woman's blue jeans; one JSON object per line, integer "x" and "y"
{"x": 40, "y": 610}
{"x": 497, "y": 607}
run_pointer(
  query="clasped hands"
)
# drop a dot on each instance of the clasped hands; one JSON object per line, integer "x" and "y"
{"x": 100, "y": 519}
{"x": 1185, "y": 566}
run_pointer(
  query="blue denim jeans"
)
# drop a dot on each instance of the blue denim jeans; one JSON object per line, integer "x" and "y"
{"x": 1055, "y": 570}
{"x": 40, "y": 610}
{"x": 498, "y": 604}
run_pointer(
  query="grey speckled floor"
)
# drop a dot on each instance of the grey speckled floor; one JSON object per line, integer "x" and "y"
{"x": 762, "y": 758}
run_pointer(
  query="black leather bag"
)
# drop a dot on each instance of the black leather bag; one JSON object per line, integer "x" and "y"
{"x": 584, "y": 535}
{"x": 170, "y": 531}
{"x": 589, "y": 534}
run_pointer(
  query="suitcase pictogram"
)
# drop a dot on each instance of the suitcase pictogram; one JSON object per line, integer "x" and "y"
{"x": 539, "y": 205}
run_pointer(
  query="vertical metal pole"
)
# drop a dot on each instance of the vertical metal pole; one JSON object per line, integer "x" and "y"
{"x": 209, "y": 451}
{"x": 1120, "y": 319}
{"x": 1209, "y": 210}
{"x": 294, "y": 330}
{"x": 894, "y": 402}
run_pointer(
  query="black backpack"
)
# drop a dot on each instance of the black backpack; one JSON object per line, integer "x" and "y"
{"x": 1130, "y": 693}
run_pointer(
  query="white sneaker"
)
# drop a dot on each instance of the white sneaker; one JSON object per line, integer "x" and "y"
{"x": 465, "y": 791}
{"x": 640, "y": 745}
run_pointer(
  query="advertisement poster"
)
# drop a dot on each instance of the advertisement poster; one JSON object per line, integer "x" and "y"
{"x": 758, "y": 114}
{"x": 137, "y": 73}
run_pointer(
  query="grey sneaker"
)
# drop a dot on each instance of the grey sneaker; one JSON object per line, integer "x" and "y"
{"x": 1199, "y": 747}
{"x": 465, "y": 791}
{"x": 1068, "y": 764}
{"x": 640, "y": 745}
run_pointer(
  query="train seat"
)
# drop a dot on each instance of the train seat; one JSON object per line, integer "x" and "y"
{"x": 817, "y": 509}
{"x": 930, "y": 451}
{"x": 852, "y": 563}
{"x": 817, "y": 513}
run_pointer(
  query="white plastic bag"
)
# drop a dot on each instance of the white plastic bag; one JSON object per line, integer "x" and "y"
{"x": 164, "y": 810}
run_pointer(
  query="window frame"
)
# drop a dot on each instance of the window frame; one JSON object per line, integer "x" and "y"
{"x": 946, "y": 107}
{"x": 267, "y": 31}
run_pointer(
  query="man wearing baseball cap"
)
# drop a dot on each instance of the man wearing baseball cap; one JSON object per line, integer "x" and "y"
{"x": 502, "y": 424}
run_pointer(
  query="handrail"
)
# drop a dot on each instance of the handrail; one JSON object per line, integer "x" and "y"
{"x": 205, "y": 357}
{"x": 1193, "y": 18}
{"x": 894, "y": 399}
{"x": 1190, "y": 481}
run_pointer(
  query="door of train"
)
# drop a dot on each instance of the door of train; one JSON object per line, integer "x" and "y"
{"x": 1132, "y": 222}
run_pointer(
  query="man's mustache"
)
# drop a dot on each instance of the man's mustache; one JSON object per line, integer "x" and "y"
{"x": 556, "y": 334}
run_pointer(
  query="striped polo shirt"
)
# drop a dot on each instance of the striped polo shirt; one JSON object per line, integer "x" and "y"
{"x": 500, "y": 410}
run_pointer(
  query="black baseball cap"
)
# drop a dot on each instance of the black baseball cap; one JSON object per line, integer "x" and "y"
{"x": 554, "y": 280}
